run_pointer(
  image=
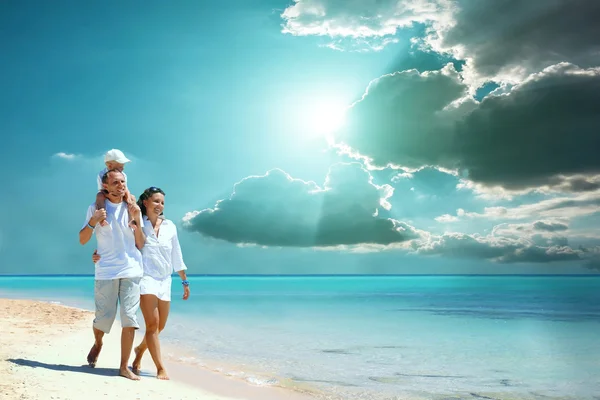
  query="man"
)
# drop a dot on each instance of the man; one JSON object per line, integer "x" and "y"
{"x": 119, "y": 270}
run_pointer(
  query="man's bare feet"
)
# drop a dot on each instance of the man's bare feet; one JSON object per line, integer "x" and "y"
{"x": 137, "y": 362}
{"x": 162, "y": 375}
{"x": 92, "y": 356}
{"x": 126, "y": 373}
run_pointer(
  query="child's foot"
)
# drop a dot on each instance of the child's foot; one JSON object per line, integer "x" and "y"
{"x": 103, "y": 222}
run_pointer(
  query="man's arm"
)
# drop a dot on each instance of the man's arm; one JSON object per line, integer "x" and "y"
{"x": 85, "y": 234}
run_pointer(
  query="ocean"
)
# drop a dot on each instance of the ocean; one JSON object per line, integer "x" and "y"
{"x": 380, "y": 337}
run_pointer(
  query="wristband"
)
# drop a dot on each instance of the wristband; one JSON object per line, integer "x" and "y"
{"x": 91, "y": 227}
{"x": 185, "y": 283}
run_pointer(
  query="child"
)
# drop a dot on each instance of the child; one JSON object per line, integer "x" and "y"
{"x": 113, "y": 159}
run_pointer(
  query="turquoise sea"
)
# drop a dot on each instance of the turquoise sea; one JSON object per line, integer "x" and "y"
{"x": 381, "y": 337}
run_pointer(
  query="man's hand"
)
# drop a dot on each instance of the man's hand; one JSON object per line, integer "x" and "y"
{"x": 95, "y": 256}
{"x": 186, "y": 292}
{"x": 99, "y": 215}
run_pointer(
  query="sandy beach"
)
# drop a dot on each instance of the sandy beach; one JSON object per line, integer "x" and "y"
{"x": 42, "y": 356}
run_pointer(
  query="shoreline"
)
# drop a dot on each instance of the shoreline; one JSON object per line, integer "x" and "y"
{"x": 42, "y": 355}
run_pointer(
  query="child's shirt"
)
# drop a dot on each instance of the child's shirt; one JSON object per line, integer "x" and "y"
{"x": 101, "y": 174}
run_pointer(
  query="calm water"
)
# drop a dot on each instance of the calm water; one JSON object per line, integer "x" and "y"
{"x": 388, "y": 337}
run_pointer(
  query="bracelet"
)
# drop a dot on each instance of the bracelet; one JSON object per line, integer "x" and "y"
{"x": 185, "y": 283}
{"x": 91, "y": 227}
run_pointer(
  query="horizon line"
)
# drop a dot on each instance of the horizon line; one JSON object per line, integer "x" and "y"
{"x": 303, "y": 275}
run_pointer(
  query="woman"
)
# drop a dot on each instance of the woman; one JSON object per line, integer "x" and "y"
{"x": 161, "y": 256}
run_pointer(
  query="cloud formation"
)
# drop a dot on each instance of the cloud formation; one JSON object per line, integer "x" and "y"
{"x": 345, "y": 214}
{"x": 498, "y": 249}
{"x": 505, "y": 40}
{"x": 567, "y": 207}
{"x": 541, "y": 241}
{"x": 543, "y": 132}
{"x": 277, "y": 210}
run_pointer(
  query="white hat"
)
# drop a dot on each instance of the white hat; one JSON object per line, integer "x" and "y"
{"x": 116, "y": 155}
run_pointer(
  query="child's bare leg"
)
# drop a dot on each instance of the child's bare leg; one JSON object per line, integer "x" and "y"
{"x": 100, "y": 204}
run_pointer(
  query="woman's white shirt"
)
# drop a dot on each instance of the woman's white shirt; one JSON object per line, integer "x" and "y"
{"x": 161, "y": 254}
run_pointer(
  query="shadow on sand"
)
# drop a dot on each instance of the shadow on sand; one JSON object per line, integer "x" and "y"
{"x": 86, "y": 369}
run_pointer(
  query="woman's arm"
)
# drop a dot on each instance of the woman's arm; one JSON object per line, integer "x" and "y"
{"x": 186, "y": 284}
{"x": 178, "y": 264}
{"x": 140, "y": 237}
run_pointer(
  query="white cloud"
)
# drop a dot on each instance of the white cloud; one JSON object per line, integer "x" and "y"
{"x": 567, "y": 207}
{"x": 65, "y": 156}
{"x": 446, "y": 218}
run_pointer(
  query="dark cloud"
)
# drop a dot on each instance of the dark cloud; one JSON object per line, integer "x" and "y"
{"x": 545, "y": 128}
{"x": 277, "y": 210}
{"x": 540, "y": 133}
{"x": 401, "y": 119}
{"x": 512, "y": 37}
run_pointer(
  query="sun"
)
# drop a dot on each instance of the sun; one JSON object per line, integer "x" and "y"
{"x": 327, "y": 118}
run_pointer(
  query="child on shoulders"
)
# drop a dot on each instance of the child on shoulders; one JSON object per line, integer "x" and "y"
{"x": 114, "y": 159}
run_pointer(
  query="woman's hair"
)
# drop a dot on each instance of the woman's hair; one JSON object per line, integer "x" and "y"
{"x": 146, "y": 195}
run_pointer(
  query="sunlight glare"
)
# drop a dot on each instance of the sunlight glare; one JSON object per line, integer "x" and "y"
{"x": 327, "y": 118}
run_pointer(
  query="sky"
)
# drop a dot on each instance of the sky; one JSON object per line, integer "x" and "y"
{"x": 309, "y": 136}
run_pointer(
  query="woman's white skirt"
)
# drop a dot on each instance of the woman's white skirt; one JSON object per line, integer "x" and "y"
{"x": 161, "y": 288}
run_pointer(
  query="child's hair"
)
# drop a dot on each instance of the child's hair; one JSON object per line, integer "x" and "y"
{"x": 146, "y": 195}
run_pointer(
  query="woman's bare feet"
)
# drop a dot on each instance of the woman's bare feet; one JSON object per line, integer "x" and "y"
{"x": 126, "y": 373}
{"x": 137, "y": 362}
{"x": 162, "y": 375}
{"x": 92, "y": 356}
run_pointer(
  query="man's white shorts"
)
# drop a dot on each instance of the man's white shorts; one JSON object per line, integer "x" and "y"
{"x": 107, "y": 293}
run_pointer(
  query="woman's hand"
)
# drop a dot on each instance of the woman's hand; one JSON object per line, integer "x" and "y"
{"x": 186, "y": 292}
{"x": 95, "y": 256}
{"x": 134, "y": 211}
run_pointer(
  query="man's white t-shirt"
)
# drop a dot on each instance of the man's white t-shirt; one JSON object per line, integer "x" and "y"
{"x": 119, "y": 258}
{"x": 101, "y": 174}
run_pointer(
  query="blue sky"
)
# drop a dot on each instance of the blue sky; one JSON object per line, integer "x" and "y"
{"x": 205, "y": 98}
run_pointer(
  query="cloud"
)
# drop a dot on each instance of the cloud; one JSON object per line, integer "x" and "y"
{"x": 278, "y": 210}
{"x": 355, "y": 19}
{"x": 346, "y": 214}
{"x": 509, "y": 39}
{"x": 540, "y": 241}
{"x": 64, "y": 156}
{"x": 566, "y": 207}
{"x": 542, "y": 133}
{"x": 405, "y": 118}
{"x": 498, "y": 249}
{"x": 549, "y": 226}
{"x": 446, "y": 218}
{"x": 500, "y": 40}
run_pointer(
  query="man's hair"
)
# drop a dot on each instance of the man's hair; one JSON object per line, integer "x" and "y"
{"x": 105, "y": 176}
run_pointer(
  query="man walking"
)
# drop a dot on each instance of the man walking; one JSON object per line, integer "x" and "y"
{"x": 119, "y": 270}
